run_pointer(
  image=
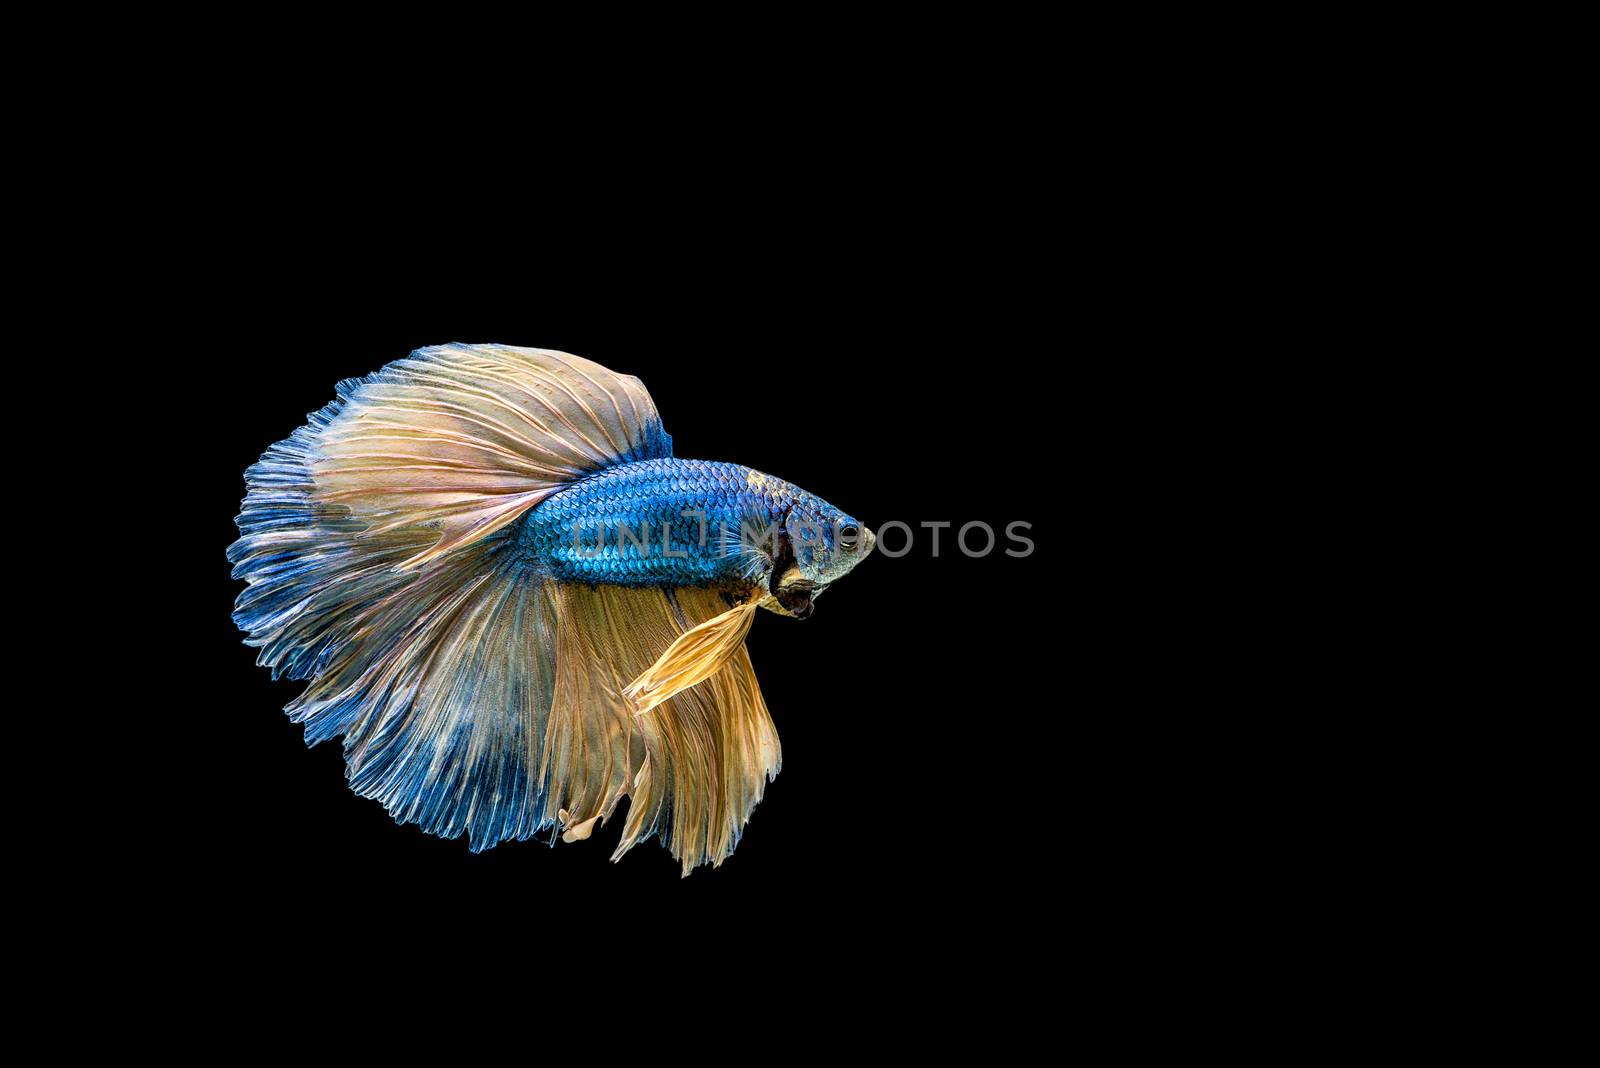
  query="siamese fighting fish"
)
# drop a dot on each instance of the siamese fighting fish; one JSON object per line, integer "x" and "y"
{"x": 517, "y": 607}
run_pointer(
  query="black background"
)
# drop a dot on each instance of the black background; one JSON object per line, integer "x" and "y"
{"x": 967, "y": 297}
{"x": 954, "y": 774}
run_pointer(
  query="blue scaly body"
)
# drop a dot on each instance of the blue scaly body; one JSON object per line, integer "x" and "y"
{"x": 648, "y": 539}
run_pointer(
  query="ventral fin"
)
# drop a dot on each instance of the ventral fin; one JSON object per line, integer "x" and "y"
{"x": 696, "y": 656}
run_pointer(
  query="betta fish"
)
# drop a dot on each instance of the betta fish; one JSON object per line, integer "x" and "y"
{"x": 517, "y": 607}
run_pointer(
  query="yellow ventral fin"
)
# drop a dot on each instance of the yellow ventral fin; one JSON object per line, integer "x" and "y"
{"x": 696, "y": 656}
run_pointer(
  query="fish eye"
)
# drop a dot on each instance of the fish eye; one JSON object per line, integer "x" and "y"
{"x": 848, "y": 535}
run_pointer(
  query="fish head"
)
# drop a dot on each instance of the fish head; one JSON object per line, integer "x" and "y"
{"x": 822, "y": 544}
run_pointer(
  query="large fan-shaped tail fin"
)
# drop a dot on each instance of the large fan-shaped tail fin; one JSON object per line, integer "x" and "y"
{"x": 373, "y": 540}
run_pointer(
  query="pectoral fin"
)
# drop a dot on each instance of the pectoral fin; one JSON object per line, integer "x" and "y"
{"x": 694, "y": 657}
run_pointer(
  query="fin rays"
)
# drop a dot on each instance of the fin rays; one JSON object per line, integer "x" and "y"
{"x": 435, "y": 439}
{"x": 701, "y": 757}
{"x": 695, "y": 656}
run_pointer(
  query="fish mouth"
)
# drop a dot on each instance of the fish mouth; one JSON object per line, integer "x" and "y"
{"x": 795, "y": 593}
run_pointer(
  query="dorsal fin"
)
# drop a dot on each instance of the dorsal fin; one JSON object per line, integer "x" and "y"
{"x": 466, "y": 438}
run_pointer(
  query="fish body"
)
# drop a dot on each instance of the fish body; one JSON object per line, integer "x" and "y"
{"x": 675, "y": 523}
{"x": 518, "y": 609}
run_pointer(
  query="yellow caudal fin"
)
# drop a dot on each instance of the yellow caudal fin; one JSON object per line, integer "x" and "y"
{"x": 376, "y": 545}
{"x": 475, "y": 695}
